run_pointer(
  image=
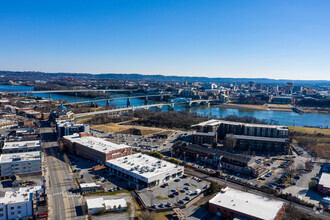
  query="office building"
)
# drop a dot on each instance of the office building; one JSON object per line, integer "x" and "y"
{"x": 64, "y": 128}
{"x": 20, "y": 164}
{"x": 21, "y": 146}
{"x": 144, "y": 170}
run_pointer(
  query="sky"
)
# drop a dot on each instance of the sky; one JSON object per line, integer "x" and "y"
{"x": 280, "y": 39}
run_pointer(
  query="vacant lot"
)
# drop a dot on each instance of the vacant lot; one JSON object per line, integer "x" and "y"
{"x": 128, "y": 129}
{"x": 315, "y": 140}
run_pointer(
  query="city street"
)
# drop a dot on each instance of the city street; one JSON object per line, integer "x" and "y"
{"x": 64, "y": 202}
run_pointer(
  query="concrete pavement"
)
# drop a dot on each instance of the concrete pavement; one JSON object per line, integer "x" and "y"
{"x": 64, "y": 202}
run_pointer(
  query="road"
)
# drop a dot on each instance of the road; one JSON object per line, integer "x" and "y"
{"x": 323, "y": 215}
{"x": 64, "y": 201}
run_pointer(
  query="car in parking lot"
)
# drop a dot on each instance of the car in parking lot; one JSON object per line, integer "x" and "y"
{"x": 177, "y": 180}
{"x": 161, "y": 205}
{"x": 154, "y": 206}
{"x": 186, "y": 188}
{"x": 187, "y": 198}
{"x": 187, "y": 184}
{"x": 180, "y": 201}
{"x": 182, "y": 190}
{"x": 173, "y": 190}
{"x": 169, "y": 204}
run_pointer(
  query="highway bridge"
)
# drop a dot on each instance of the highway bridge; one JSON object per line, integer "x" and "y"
{"x": 187, "y": 102}
{"x": 146, "y": 97}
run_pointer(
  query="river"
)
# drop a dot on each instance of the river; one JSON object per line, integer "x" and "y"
{"x": 282, "y": 118}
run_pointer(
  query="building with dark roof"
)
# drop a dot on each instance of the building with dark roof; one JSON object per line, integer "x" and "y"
{"x": 218, "y": 158}
{"x": 263, "y": 145}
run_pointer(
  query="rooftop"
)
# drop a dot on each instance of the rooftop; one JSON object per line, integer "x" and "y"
{"x": 213, "y": 122}
{"x": 247, "y": 203}
{"x": 65, "y": 123}
{"x": 16, "y": 157}
{"x": 212, "y": 134}
{"x": 325, "y": 180}
{"x": 20, "y": 195}
{"x": 144, "y": 165}
{"x": 257, "y": 138}
{"x": 97, "y": 144}
{"x": 21, "y": 144}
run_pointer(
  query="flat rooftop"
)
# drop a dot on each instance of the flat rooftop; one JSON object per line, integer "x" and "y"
{"x": 20, "y": 195}
{"x": 16, "y": 157}
{"x": 143, "y": 165}
{"x": 97, "y": 144}
{"x": 212, "y": 134}
{"x": 247, "y": 203}
{"x": 213, "y": 122}
{"x": 325, "y": 180}
{"x": 64, "y": 123}
{"x": 257, "y": 138}
{"x": 22, "y": 144}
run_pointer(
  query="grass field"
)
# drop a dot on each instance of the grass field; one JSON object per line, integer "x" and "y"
{"x": 310, "y": 130}
{"x": 315, "y": 140}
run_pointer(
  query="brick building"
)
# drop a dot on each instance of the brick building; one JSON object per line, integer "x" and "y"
{"x": 93, "y": 148}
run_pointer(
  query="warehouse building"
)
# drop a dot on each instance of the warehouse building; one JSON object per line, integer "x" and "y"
{"x": 144, "y": 170}
{"x": 231, "y": 203}
{"x": 93, "y": 148}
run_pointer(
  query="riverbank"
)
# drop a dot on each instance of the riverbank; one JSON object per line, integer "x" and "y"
{"x": 273, "y": 107}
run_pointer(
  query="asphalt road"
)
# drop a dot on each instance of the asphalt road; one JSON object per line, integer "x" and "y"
{"x": 64, "y": 201}
{"x": 323, "y": 215}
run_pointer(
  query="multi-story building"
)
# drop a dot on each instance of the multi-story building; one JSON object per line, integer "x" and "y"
{"x": 205, "y": 138}
{"x": 6, "y": 123}
{"x": 20, "y": 164}
{"x": 21, "y": 146}
{"x": 237, "y": 128}
{"x": 144, "y": 170}
{"x": 65, "y": 128}
{"x": 231, "y": 204}
{"x": 324, "y": 184}
{"x": 218, "y": 158}
{"x": 18, "y": 204}
{"x": 93, "y": 148}
{"x": 268, "y": 145}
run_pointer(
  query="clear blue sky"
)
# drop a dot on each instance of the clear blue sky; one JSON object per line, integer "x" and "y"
{"x": 216, "y": 38}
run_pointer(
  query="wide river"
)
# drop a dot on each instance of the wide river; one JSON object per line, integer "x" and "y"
{"x": 283, "y": 118}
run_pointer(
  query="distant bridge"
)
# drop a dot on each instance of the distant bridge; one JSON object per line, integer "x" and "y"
{"x": 75, "y": 91}
{"x": 159, "y": 106}
{"x": 124, "y": 97}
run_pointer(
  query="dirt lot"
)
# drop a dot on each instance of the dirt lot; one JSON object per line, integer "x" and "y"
{"x": 129, "y": 129}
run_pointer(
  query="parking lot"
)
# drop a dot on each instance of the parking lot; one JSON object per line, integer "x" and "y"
{"x": 179, "y": 191}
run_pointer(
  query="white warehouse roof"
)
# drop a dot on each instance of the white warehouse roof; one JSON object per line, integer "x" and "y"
{"x": 247, "y": 203}
{"x": 96, "y": 143}
{"x": 144, "y": 165}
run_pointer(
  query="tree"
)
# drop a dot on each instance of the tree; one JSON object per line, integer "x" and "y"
{"x": 313, "y": 185}
{"x": 214, "y": 187}
{"x": 146, "y": 215}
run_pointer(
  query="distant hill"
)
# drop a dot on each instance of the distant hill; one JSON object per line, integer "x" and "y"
{"x": 29, "y": 75}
